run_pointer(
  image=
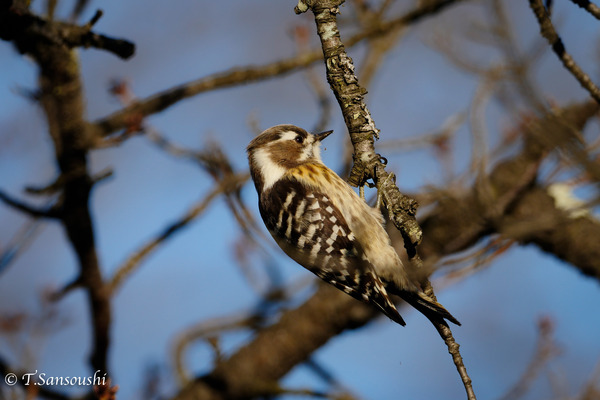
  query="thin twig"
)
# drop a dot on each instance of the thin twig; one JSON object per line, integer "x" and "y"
{"x": 546, "y": 349}
{"x": 454, "y": 350}
{"x": 479, "y": 153}
{"x": 203, "y": 331}
{"x": 160, "y": 101}
{"x": 32, "y": 211}
{"x": 588, "y": 6}
{"x": 378, "y": 46}
{"x": 212, "y": 160}
{"x": 518, "y": 64}
{"x": 547, "y": 30}
{"x": 19, "y": 242}
{"x": 133, "y": 262}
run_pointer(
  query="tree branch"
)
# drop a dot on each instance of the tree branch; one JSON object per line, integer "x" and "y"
{"x": 361, "y": 127}
{"x": 588, "y": 6}
{"x": 161, "y": 101}
{"x": 367, "y": 163}
{"x": 26, "y": 31}
{"x": 50, "y": 44}
{"x": 509, "y": 202}
{"x": 546, "y": 349}
{"x": 51, "y": 212}
{"x": 537, "y": 219}
{"x": 255, "y": 368}
{"x": 227, "y": 185}
{"x": 547, "y": 30}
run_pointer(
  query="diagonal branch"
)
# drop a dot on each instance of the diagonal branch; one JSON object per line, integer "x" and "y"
{"x": 51, "y": 212}
{"x": 255, "y": 369}
{"x": 163, "y": 100}
{"x": 360, "y": 124}
{"x": 367, "y": 163}
{"x": 546, "y": 349}
{"x": 511, "y": 203}
{"x": 588, "y": 6}
{"x": 227, "y": 185}
{"x": 547, "y": 30}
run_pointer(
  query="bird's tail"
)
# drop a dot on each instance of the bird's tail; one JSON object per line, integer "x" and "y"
{"x": 427, "y": 306}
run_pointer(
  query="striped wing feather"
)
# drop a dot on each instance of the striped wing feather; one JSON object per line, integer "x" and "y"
{"x": 312, "y": 231}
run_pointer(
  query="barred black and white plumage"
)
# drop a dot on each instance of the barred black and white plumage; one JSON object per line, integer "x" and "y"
{"x": 321, "y": 223}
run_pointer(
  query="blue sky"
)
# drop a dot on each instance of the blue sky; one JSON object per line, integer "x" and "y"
{"x": 194, "y": 276}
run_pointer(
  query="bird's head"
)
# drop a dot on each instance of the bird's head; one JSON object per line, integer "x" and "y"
{"x": 280, "y": 148}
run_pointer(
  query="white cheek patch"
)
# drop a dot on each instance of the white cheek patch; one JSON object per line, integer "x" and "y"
{"x": 271, "y": 172}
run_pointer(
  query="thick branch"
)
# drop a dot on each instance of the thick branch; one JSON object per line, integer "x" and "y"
{"x": 510, "y": 202}
{"x": 255, "y": 369}
{"x": 62, "y": 100}
{"x": 536, "y": 219}
{"x": 28, "y": 31}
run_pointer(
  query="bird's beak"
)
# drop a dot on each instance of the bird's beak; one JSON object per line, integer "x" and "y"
{"x": 322, "y": 135}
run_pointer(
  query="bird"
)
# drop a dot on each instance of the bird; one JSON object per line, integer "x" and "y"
{"x": 320, "y": 222}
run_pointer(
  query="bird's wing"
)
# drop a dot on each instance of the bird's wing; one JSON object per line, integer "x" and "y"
{"x": 312, "y": 231}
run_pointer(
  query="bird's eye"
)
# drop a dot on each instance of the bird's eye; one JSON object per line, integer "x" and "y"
{"x": 299, "y": 139}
